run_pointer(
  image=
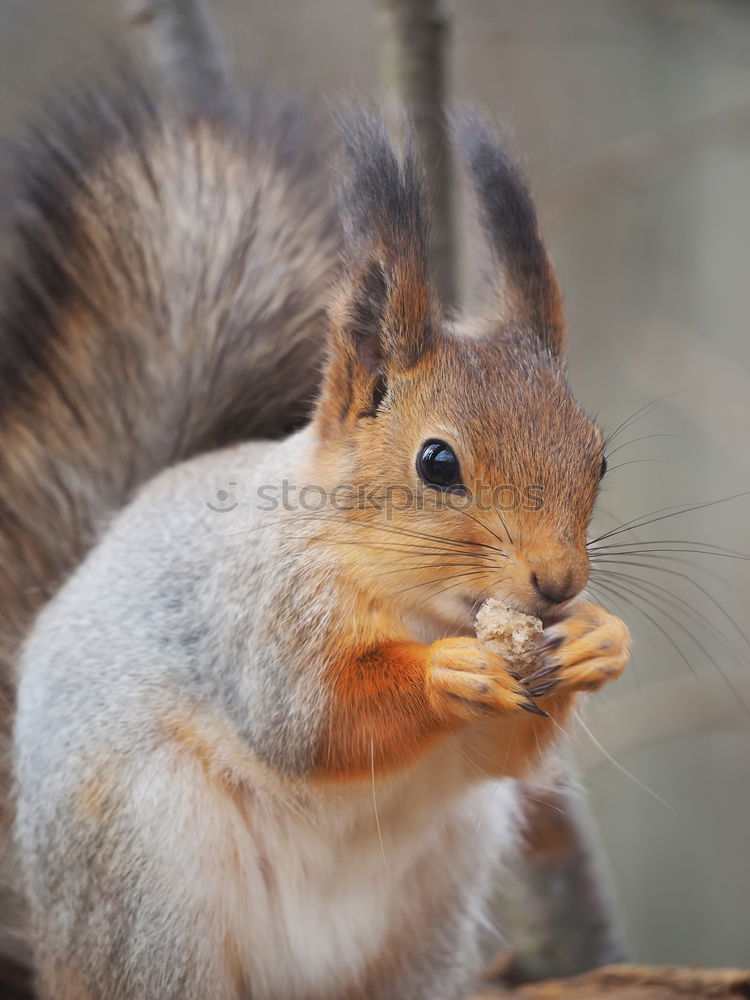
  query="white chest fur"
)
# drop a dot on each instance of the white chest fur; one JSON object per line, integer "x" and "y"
{"x": 327, "y": 883}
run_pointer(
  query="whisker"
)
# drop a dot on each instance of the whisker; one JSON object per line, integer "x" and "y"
{"x": 675, "y": 511}
{"x": 693, "y": 583}
{"x": 612, "y": 589}
{"x": 444, "y": 590}
{"x": 680, "y": 625}
{"x": 683, "y": 605}
{"x": 426, "y": 583}
{"x": 656, "y": 558}
{"x": 619, "y": 766}
{"x": 641, "y": 412}
{"x": 698, "y": 548}
{"x": 375, "y": 805}
{"x": 458, "y": 544}
{"x": 635, "y": 461}
{"x": 416, "y": 567}
{"x": 405, "y": 532}
{"x": 616, "y": 600}
{"x": 634, "y": 590}
{"x": 486, "y": 527}
{"x": 643, "y": 437}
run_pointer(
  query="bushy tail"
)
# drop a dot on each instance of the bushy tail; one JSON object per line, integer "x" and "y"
{"x": 163, "y": 293}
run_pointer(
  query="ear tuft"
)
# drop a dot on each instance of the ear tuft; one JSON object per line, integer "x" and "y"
{"x": 386, "y": 307}
{"x": 510, "y": 223}
{"x": 382, "y": 199}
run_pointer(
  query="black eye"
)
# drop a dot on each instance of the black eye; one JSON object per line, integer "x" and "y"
{"x": 438, "y": 466}
{"x": 604, "y": 467}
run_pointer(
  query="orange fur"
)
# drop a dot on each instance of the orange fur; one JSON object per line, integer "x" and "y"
{"x": 391, "y": 702}
{"x": 100, "y": 795}
{"x": 380, "y": 713}
{"x": 513, "y": 748}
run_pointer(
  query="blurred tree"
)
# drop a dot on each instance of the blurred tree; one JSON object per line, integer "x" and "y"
{"x": 184, "y": 47}
{"x": 414, "y": 71}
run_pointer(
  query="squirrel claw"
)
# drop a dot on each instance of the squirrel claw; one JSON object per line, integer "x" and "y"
{"x": 530, "y": 706}
{"x": 595, "y": 648}
{"x": 552, "y": 642}
{"x": 540, "y": 674}
{"x": 541, "y": 689}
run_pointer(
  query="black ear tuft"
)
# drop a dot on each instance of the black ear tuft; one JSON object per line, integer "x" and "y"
{"x": 385, "y": 309}
{"x": 382, "y": 199}
{"x": 510, "y": 223}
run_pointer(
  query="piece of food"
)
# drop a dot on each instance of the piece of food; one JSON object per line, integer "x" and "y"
{"x": 510, "y": 634}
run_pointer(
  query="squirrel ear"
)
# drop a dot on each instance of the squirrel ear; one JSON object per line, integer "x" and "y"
{"x": 529, "y": 289}
{"x": 383, "y": 317}
{"x": 384, "y": 314}
{"x": 360, "y": 312}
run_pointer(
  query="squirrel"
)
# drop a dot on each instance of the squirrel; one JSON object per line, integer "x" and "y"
{"x": 258, "y": 750}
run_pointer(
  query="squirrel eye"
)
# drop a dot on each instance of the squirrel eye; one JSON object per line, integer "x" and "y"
{"x": 604, "y": 467}
{"x": 438, "y": 466}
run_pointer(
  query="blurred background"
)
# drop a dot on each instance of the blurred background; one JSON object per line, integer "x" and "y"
{"x": 634, "y": 119}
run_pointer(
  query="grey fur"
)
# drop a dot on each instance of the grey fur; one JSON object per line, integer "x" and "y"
{"x": 182, "y": 606}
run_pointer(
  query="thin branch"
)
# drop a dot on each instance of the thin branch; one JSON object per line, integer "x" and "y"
{"x": 413, "y": 65}
{"x": 183, "y": 45}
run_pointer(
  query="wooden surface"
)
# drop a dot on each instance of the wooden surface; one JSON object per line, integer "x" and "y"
{"x": 634, "y": 982}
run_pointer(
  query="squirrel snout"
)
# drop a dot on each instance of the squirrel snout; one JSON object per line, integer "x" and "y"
{"x": 558, "y": 586}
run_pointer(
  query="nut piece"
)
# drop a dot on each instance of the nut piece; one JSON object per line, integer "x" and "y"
{"x": 509, "y": 633}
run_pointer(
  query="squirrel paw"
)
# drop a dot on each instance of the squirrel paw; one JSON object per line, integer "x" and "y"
{"x": 581, "y": 652}
{"x": 466, "y": 680}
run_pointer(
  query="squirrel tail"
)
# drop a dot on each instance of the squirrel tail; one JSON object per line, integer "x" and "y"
{"x": 162, "y": 292}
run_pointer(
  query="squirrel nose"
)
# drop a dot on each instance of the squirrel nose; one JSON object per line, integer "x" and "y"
{"x": 556, "y": 591}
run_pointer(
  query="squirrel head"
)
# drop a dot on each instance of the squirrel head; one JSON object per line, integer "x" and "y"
{"x": 468, "y": 468}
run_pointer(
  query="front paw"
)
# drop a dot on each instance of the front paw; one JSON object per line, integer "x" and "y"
{"x": 581, "y": 652}
{"x": 466, "y": 680}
